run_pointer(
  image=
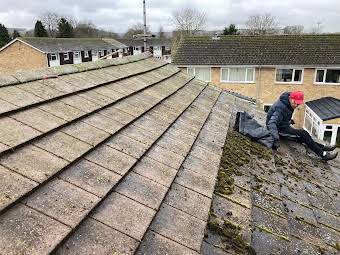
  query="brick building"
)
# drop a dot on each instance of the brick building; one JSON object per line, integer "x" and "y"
{"x": 26, "y": 53}
{"x": 262, "y": 67}
{"x": 159, "y": 47}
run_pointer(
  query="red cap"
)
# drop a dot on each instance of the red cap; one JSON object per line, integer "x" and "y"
{"x": 297, "y": 96}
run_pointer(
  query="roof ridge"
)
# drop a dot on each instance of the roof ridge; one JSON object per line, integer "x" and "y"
{"x": 43, "y": 73}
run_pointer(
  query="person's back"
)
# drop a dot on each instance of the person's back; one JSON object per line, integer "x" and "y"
{"x": 280, "y": 109}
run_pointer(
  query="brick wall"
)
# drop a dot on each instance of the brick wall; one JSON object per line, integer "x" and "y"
{"x": 269, "y": 91}
{"x": 19, "y": 56}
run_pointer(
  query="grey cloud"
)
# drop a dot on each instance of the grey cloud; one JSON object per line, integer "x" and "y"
{"x": 118, "y": 15}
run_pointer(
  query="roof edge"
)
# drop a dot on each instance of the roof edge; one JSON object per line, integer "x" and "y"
{"x": 18, "y": 39}
{"x": 39, "y": 74}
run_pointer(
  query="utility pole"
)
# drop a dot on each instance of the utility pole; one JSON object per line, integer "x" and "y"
{"x": 144, "y": 35}
{"x": 144, "y": 15}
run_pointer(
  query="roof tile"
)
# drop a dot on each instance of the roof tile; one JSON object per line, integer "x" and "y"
{"x": 94, "y": 237}
{"x": 142, "y": 190}
{"x": 63, "y": 145}
{"x": 62, "y": 201}
{"x": 91, "y": 177}
{"x": 33, "y": 162}
{"x": 111, "y": 159}
{"x": 12, "y": 186}
{"x": 179, "y": 226}
{"x": 125, "y": 215}
{"x": 13, "y": 132}
{"x": 26, "y": 231}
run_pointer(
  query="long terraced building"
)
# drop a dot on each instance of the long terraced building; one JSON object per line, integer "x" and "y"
{"x": 121, "y": 156}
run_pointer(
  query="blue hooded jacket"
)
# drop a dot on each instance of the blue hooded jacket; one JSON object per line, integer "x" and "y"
{"x": 279, "y": 115}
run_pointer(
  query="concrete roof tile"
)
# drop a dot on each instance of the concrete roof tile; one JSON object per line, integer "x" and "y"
{"x": 13, "y": 132}
{"x": 111, "y": 159}
{"x": 179, "y": 226}
{"x": 12, "y": 186}
{"x": 62, "y": 201}
{"x": 96, "y": 238}
{"x": 63, "y": 145}
{"x": 34, "y": 163}
{"x": 114, "y": 210}
{"x": 26, "y": 231}
{"x": 91, "y": 177}
{"x": 142, "y": 190}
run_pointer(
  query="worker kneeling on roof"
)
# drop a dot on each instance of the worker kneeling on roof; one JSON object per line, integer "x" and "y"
{"x": 279, "y": 121}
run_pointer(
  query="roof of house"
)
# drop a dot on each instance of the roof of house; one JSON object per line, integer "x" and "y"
{"x": 314, "y": 50}
{"x": 120, "y": 156}
{"x": 326, "y": 108}
{"x": 150, "y": 41}
{"x": 115, "y": 43}
{"x": 52, "y": 45}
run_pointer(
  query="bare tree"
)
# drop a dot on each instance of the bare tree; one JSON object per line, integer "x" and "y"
{"x": 136, "y": 29}
{"x": 189, "y": 21}
{"x": 293, "y": 30}
{"x": 50, "y": 21}
{"x": 317, "y": 29}
{"x": 262, "y": 24}
{"x": 161, "y": 32}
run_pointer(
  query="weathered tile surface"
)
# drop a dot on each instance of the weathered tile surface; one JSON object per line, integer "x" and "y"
{"x": 12, "y": 186}
{"x": 33, "y": 162}
{"x": 155, "y": 171}
{"x": 111, "y": 159}
{"x": 179, "y": 226}
{"x": 125, "y": 215}
{"x": 196, "y": 182}
{"x": 142, "y": 190}
{"x": 93, "y": 237}
{"x": 159, "y": 245}
{"x": 188, "y": 201}
{"x": 91, "y": 177}
{"x": 26, "y": 231}
{"x": 63, "y": 145}
{"x": 13, "y": 132}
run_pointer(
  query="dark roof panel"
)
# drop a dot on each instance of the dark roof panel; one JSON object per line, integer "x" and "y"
{"x": 259, "y": 50}
{"x": 326, "y": 108}
{"x": 51, "y": 45}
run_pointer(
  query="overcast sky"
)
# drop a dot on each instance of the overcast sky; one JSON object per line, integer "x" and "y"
{"x": 118, "y": 15}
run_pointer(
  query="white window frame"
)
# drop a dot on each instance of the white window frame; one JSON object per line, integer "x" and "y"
{"x": 77, "y": 52}
{"x": 264, "y": 105}
{"x": 194, "y": 67}
{"x": 290, "y": 82}
{"x": 66, "y": 56}
{"x": 324, "y": 76}
{"x": 54, "y": 54}
{"x": 228, "y": 68}
{"x": 86, "y": 54}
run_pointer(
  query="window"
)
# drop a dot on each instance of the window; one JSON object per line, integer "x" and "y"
{"x": 331, "y": 76}
{"x": 289, "y": 75}
{"x": 135, "y": 48}
{"x": 86, "y": 54}
{"x": 266, "y": 107}
{"x": 100, "y": 53}
{"x": 66, "y": 56}
{"x": 53, "y": 57}
{"x": 76, "y": 54}
{"x": 201, "y": 73}
{"x": 238, "y": 74}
